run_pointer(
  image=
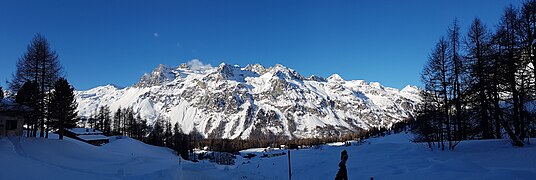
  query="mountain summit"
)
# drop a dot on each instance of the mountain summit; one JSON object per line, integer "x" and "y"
{"x": 229, "y": 101}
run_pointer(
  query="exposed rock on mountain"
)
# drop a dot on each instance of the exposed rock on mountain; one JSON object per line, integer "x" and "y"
{"x": 229, "y": 101}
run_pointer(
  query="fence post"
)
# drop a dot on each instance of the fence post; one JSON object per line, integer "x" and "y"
{"x": 289, "y": 169}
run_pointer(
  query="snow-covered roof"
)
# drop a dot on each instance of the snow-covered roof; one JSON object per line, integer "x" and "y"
{"x": 84, "y": 131}
{"x": 8, "y": 105}
{"x": 92, "y": 137}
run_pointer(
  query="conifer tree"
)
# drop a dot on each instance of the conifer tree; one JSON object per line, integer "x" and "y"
{"x": 156, "y": 136}
{"x": 62, "y": 107}
{"x": 117, "y": 119}
{"x": 28, "y": 95}
{"x": 168, "y": 134}
{"x": 128, "y": 121}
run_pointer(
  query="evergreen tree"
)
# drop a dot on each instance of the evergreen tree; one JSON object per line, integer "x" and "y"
{"x": 156, "y": 136}
{"x": 1, "y": 93}
{"x": 62, "y": 107}
{"x": 118, "y": 116}
{"x": 128, "y": 121}
{"x": 143, "y": 128}
{"x": 28, "y": 95}
{"x": 181, "y": 142}
{"x": 177, "y": 131}
{"x": 39, "y": 64}
{"x": 168, "y": 134}
{"x": 136, "y": 128}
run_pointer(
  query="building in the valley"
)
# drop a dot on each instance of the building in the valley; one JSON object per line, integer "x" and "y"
{"x": 88, "y": 135}
{"x": 12, "y": 117}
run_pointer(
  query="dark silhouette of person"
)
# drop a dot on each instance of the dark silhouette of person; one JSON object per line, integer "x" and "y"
{"x": 342, "y": 174}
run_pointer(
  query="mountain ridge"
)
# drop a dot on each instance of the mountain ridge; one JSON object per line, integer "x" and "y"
{"x": 229, "y": 101}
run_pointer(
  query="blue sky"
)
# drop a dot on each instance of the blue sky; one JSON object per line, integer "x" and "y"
{"x": 102, "y": 42}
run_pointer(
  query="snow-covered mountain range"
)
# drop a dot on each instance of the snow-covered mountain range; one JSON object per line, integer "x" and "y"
{"x": 229, "y": 101}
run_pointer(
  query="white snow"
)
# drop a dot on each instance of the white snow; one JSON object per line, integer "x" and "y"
{"x": 84, "y": 131}
{"x": 335, "y": 78}
{"x": 306, "y": 104}
{"x": 31, "y": 158}
{"x": 92, "y": 137}
{"x": 389, "y": 157}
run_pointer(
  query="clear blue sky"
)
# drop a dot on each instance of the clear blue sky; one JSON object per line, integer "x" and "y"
{"x": 103, "y": 41}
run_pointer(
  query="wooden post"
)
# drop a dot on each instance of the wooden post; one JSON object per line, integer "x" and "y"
{"x": 289, "y": 169}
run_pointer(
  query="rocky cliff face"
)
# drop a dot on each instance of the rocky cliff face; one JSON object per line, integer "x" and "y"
{"x": 250, "y": 102}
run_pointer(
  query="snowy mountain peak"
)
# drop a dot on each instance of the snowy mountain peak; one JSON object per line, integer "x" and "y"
{"x": 282, "y": 72}
{"x": 257, "y": 68}
{"x": 161, "y": 67}
{"x": 230, "y": 72}
{"x": 335, "y": 78}
{"x": 113, "y": 86}
{"x": 158, "y": 76}
{"x": 196, "y": 66}
{"x": 228, "y": 101}
{"x": 227, "y": 71}
{"x": 410, "y": 89}
{"x": 316, "y": 78}
{"x": 377, "y": 85}
{"x": 279, "y": 66}
{"x": 183, "y": 66}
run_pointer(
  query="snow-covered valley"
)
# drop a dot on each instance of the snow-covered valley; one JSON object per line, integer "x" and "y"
{"x": 389, "y": 157}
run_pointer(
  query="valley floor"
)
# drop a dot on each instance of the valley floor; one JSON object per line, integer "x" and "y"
{"x": 389, "y": 157}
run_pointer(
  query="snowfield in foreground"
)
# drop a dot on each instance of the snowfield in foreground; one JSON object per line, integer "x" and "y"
{"x": 390, "y": 157}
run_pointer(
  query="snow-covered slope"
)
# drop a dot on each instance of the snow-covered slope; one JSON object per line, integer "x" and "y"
{"x": 229, "y": 101}
{"x": 389, "y": 157}
{"x": 37, "y": 158}
{"x": 396, "y": 157}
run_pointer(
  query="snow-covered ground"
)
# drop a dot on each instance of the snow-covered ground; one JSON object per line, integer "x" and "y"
{"x": 390, "y": 157}
{"x": 31, "y": 158}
